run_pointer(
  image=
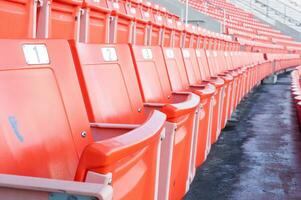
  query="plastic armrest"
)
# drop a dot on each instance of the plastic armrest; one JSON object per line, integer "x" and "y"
{"x": 203, "y": 89}
{"x": 198, "y": 87}
{"x": 35, "y": 186}
{"x": 206, "y": 81}
{"x": 113, "y": 125}
{"x": 109, "y": 151}
{"x": 155, "y": 105}
{"x": 187, "y": 103}
{"x": 223, "y": 74}
{"x": 104, "y": 131}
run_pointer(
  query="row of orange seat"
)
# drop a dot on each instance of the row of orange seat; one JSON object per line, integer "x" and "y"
{"x": 250, "y": 32}
{"x": 94, "y": 21}
{"x": 97, "y": 102}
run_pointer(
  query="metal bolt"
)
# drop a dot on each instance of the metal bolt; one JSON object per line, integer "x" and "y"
{"x": 84, "y": 134}
{"x": 110, "y": 181}
{"x": 139, "y": 109}
{"x": 162, "y": 136}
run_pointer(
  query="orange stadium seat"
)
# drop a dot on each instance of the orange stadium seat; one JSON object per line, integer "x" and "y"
{"x": 158, "y": 94}
{"x": 107, "y": 78}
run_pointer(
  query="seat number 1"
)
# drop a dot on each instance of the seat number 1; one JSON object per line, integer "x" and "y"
{"x": 36, "y": 54}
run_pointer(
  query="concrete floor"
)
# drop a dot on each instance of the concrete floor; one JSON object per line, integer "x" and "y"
{"x": 258, "y": 157}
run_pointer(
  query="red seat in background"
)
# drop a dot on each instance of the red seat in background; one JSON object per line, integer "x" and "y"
{"x": 18, "y": 18}
{"x": 95, "y": 22}
{"x": 59, "y": 19}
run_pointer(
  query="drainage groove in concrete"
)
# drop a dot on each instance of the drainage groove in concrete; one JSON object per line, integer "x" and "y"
{"x": 258, "y": 157}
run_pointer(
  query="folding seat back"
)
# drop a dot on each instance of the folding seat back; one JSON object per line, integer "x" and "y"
{"x": 247, "y": 58}
{"x": 59, "y": 19}
{"x": 203, "y": 64}
{"x": 18, "y": 18}
{"x": 219, "y": 61}
{"x": 155, "y": 87}
{"x": 240, "y": 58}
{"x": 223, "y": 60}
{"x": 234, "y": 58}
{"x": 176, "y": 68}
{"x": 95, "y": 22}
{"x": 228, "y": 60}
{"x": 211, "y": 62}
{"x": 40, "y": 75}
{"x": 107, "y": 78}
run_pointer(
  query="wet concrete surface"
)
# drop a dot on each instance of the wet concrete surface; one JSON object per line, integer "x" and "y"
{"x": 258, "y": 157}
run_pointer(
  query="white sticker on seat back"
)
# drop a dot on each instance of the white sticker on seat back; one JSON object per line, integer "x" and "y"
{"x": 115, "y": 5}
{"x": 159, "y": 18}
{"x": 146, "y": 14}
{"x": 36, "y": 54}
{"x": 186, "y": 53}
{"x": 109, "y": 54}
{"x": 133, "y": 10}
{"x": 169, "y": 53}
{"x": 147, "y": 54}
{"x": 208, "y": 53}
{"x": 169, "y": 21}
{"x": 198, "y": 53}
